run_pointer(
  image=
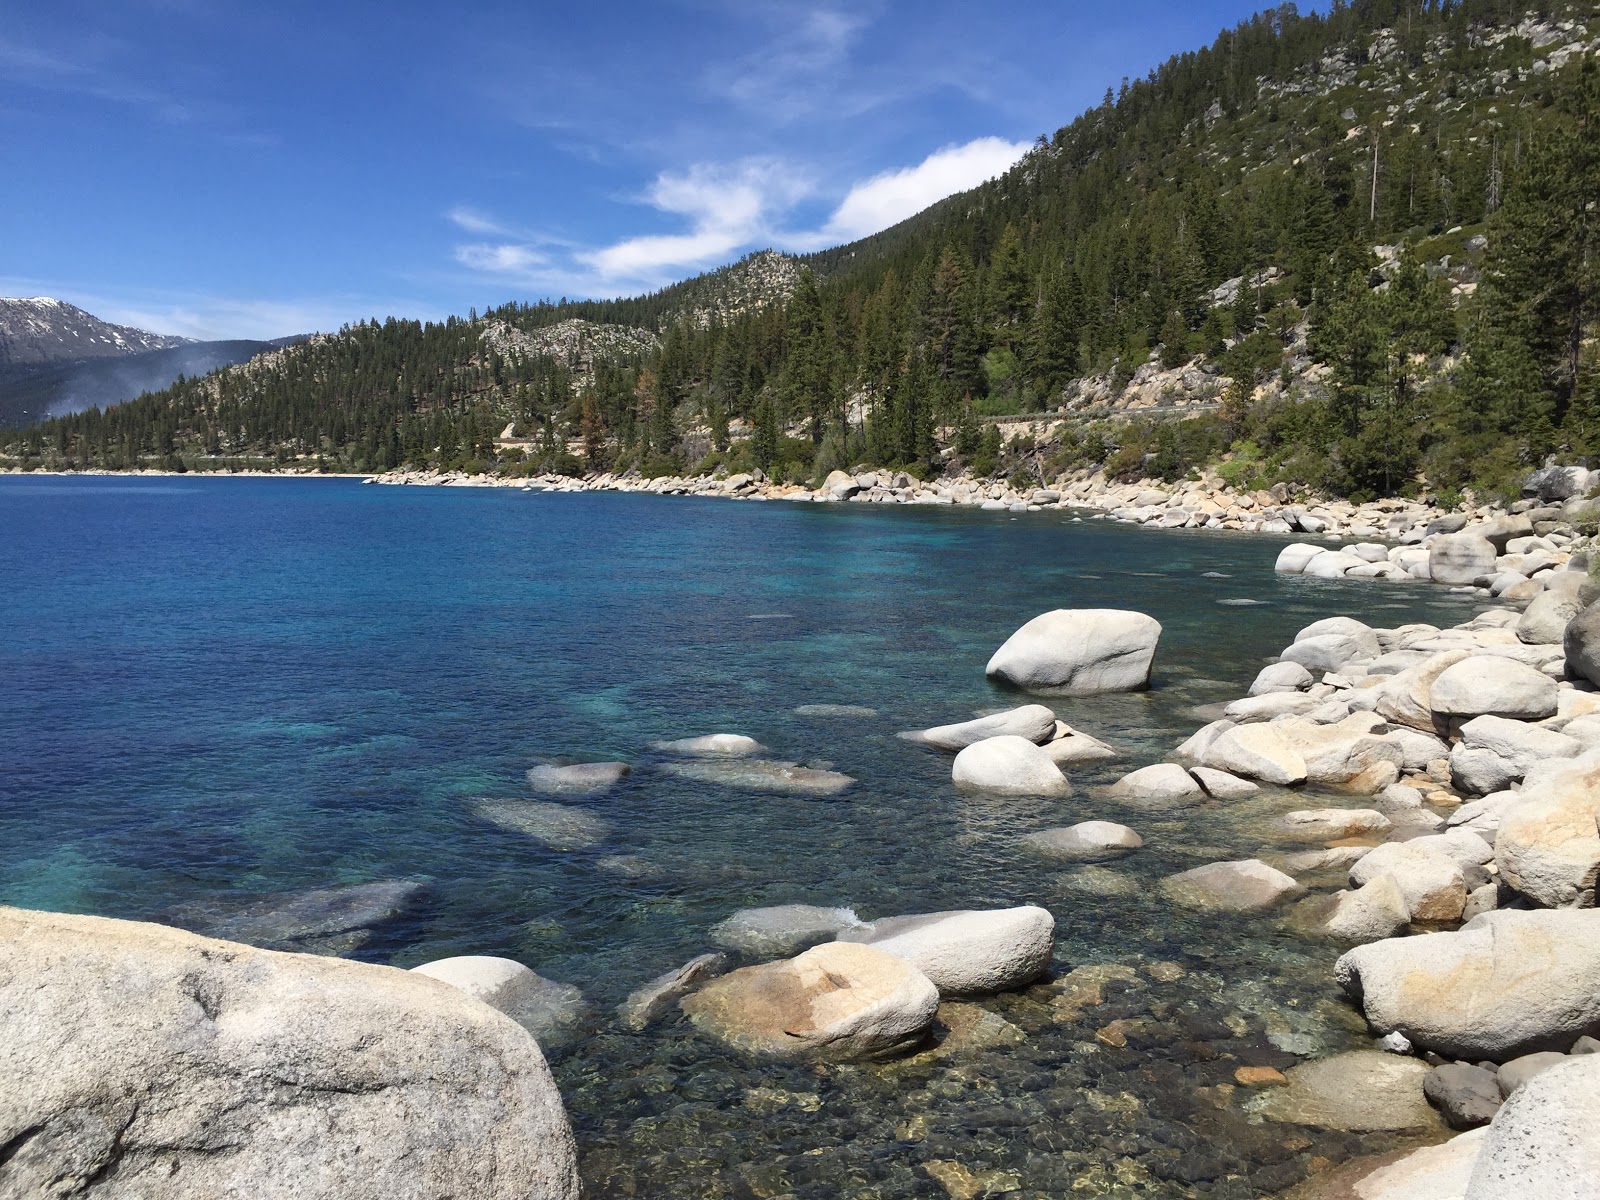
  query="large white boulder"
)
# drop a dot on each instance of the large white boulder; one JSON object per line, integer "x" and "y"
{"x": 1507, "y": 983}
{"x": 1487, "y": 683}
{"x": 1544, "y": 1142}
{"x": 1163, "y": 785}
{"x": 1522, "y": 745}
{"x": 1544, "y": 622}
{"x": 838, "y": 1000}
{"x": 1548, "y": 845}
{"x": 1008, "y": 766}
{"x": 1072, "y": 652}
{"x": 1459, "y": 558}
{"x": 141, "y": 1060}
{"x": 1433, "y": 883}
{"x": 1257, "y": 752}
{"x": 1406, "y": 698}
{"x": 1032, "y": 721}
{"x": 968, "y": 952}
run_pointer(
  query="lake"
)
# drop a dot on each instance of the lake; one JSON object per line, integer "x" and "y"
{"x": 218, "y": 689}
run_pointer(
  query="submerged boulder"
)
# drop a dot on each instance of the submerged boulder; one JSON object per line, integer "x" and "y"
{"x": 1072, "y": 652}
{"x": 781, "y": 928}
{"x": 542, "y": 1006}
{"x": 967, "y": 952}
{"x": 558, "y": 826}
{"x": 328, "y": 920}
{"x": 143, "y": 1060}
{"x": 1087, "y": 841}
{"x": 578, "y": 779}
{"x": 761, "y": 775}
{"x": 654, "y": 999}
{"x": 712, "y": 745}
{"x": 1008, "y": 766}
{"x": 1360, "y": 1091}
{"x": 1507, "y": 983}
{"x": 839, "y": 1000}
{"x": 1246, "y": 886}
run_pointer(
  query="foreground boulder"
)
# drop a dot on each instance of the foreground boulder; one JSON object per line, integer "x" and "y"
{"x": 836, "y": 1001}
{"x": 1032, "y": 721}
{"x": 1008, "y": 766}
{"x": 1075, "y": 652}
{"x": 1544, "y": 1142}
{"x": 143, "y": 1060}
{"x": 970, "y": 952}
{"x": 1507, "y": 983}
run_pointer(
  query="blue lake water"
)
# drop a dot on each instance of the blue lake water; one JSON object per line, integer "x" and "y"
{"x": 218, "y": 689}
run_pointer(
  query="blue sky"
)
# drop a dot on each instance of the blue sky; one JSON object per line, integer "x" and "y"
{"x": 223, "y": 170}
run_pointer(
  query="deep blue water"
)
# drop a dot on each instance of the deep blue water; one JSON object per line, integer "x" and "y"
{"x": 220, "y": 688}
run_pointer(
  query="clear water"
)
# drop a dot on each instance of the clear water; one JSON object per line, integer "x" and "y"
{"x": 216, "y": 689}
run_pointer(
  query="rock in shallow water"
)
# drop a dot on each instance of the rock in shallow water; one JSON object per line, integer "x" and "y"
{"x": 967, "y": 952}
{"x": 1507, "y": 983}
{"x": 543, "y": 1007}
{"x": 1246, "y": 886}
{"x": 655, "y": 998}
{"x": 1073, "y": 652}
{"x": 1087, "y": 841}
{"x": 1161, "y": 785}
{"x": 143, "y": 1060}
{"x": 558, "y": 826}
{"x": 1034, "y": 722}
{"x": 836, "y": 1001}
{"x": 1008, "y": 766}
{"x": 332, "y": 920}
{"x": 761, "y": 775}
{"x": 1465, "y": 1095}
{"x": 578, "y": 779}
{"x": 781, "y": 929}
{"x": 711, "y": 745}
{"x": 1363, "y": 1090}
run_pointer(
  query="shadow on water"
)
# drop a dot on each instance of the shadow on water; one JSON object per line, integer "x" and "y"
{"x": 219, "y": 690}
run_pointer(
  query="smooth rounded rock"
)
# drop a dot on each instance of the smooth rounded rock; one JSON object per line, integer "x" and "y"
{"x": 1434, "y": 886}
{"x": 1072, "y": 652}
{"x": 1256, "y": 751}
{"x": 544, "y": 1007}
{"x": 1460, "y": 558}
{"x": 836, "y": 1001}
{"x": 1249, "y": 885}
{"x": 1359, "y": 1091}
{"x": 1543, "y": 1142}
{"x": 1508, "y": 983}
{"x": 1220, "y": 785}
{"x": 973, "y": 952}
{"x": 579, "y": 779}
{"x": 1034, "y": 722}
{"x": 1163, "y": 785}
{"x": 141, "y": 1060}
{"x": 781, "y": 929}
{"x": 1008, "y": 766}
{"x": 1466, "y": 1096}
{"x": 711, "y": 745}
{"x": 1580, "y": 642}
{"x": 1087, "y": 841}
{"x": 1497, "y": 686}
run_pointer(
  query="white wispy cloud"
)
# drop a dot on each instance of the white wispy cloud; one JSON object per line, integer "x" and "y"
{"x": 728, "y": 209}
{"x": 891, "y": 197}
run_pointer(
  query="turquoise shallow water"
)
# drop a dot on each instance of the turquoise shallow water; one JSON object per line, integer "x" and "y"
{"x": 217, "y": 689}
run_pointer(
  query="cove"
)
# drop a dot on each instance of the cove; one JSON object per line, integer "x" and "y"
{"x": 217, "y": 689}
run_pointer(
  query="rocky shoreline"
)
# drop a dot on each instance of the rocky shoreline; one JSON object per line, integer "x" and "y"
{"x": 1426, "y": 799}
{"x": 1495, "y": 549}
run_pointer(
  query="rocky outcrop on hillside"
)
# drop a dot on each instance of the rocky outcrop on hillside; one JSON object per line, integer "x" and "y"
{"x": 576, "y": 344}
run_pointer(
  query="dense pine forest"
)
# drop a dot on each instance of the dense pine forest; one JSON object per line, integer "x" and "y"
{"x": 1363, "y": 246}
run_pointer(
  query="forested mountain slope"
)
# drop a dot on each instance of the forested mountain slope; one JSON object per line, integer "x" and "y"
{"x": 1367, "y": 237}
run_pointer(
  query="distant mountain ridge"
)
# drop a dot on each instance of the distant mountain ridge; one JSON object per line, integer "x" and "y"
{"x": 57, "y": 359}
{"x": 40, "y": 330}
